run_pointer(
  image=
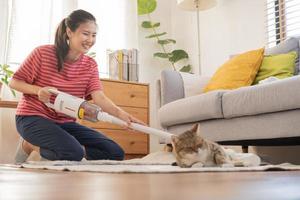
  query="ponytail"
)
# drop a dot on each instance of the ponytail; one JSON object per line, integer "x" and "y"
{"x": 61, "y": 44}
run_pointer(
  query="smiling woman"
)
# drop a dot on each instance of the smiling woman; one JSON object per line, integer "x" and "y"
{"x": 64, "y": 67}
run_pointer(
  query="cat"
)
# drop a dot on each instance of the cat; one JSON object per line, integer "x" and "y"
{"x": 191, "y": 149}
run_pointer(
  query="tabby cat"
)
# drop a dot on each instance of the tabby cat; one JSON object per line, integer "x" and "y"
{"x": 191, "y": 149}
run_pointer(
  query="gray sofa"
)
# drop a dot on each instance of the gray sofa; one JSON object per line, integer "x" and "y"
{"x": 264, "y": 114}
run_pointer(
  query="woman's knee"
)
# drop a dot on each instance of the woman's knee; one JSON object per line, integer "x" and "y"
{"x": 72, "y": 154}
{"x": 76, "y": 154}
{"x": 117, "y": 153}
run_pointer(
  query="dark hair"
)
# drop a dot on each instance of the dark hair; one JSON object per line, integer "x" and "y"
{"x": 73, "y": 21}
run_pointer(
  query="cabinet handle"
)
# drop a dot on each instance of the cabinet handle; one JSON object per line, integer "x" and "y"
{"x": 132, "y": 143}
{"x": 132, "y": 96}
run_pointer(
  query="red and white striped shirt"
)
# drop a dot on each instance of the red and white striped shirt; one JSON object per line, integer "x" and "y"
{"x": 79, "y": 78}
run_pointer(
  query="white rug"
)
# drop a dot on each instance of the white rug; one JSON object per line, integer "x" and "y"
{"x": 158, "y": 162}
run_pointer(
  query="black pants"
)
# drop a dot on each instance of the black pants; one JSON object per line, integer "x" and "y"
{"x": 64, "y": 141}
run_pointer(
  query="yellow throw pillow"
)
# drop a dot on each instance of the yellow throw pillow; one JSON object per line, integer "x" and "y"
{"x": 281, "y": 66}
{"x": 239, "y": 71}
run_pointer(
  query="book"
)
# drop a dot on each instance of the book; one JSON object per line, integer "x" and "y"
{"x": 123, "y": 65}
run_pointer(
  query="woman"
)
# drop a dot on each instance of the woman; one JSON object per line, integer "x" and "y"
{"x": 63, "y": 66}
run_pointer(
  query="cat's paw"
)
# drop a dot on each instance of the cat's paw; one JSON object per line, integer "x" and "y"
{"x": 240, "y": 164}
{"x": 227, "y": 165}
{"x": 197, "y": 165}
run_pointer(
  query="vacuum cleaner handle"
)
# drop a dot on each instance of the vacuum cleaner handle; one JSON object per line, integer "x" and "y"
{"x": 54, "y": 92}
{"x": 103, "y": 116}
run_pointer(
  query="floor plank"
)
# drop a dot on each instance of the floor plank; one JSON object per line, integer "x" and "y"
{"x": 44, "y": 184}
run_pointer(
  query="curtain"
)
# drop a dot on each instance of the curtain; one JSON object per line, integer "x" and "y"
{"x": 4, "y": 20}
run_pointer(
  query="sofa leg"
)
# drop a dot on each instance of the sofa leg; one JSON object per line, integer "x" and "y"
{"x": 245, "y": 149}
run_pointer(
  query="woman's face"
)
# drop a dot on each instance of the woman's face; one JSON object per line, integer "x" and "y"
{"x": 83, "y": 38}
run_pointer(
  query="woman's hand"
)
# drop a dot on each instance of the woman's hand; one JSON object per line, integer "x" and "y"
{"x": 44, "y": 95}
{"x": 128, "y": 118}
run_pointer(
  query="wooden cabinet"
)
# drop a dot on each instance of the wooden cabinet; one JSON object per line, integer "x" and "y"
{"x": 134, "y": 99}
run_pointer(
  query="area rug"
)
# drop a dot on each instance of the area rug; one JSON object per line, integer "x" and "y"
{"x": 159, "y": 162}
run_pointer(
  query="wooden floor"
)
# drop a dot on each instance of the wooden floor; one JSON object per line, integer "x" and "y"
{"x": 43, "y": 185}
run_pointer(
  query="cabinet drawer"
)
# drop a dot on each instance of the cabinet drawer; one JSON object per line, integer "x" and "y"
{"x": 131, "y": 142}
{"x": 139, "y": 113}
{"x": 126, "y": 94}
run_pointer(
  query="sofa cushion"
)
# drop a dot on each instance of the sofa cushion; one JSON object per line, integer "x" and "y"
{"x": 264, "y": 98}
{"x": 291, "y": 44}
{"x": 266, "y": 126}
{"x": 280, "y": 66}
{"x": 192, "y": 109}
{"x": 237, "y": 72}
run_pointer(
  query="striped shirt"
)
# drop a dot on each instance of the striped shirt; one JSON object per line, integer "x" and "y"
{"x": 79, "y": 78}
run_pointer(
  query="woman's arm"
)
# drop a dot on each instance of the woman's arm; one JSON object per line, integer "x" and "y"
{"x": 25, "y": 88}
{"x": 108, "y": 106}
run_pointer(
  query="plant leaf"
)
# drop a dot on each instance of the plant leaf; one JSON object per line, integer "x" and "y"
{"x": 13, "y": 92}
{"x": 178, "y": 55}
{"x": 149, "y": 24}
{"x": 156, "y": 35}
{"x": 146, "y": 6}
{"x": 187, "y": 68}
{"x": 146, "y": 24}
{"x": 166, "y": 41}
{"x": 162, "y": 55}
{"x": 5, "y": 74}
{"x": 8, "y": 72}
{"x": 156, "y": 25}
{"x": 4, "y": 80}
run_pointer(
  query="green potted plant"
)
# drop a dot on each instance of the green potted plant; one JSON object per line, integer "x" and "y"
{"x": 145, "y": 7}
{"x": 5, "y": 75}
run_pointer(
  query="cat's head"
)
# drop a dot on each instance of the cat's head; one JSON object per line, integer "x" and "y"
{"x": 186, "y": 146}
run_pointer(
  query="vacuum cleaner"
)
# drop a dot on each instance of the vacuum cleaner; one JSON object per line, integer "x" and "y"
{"x": 81, "y": 109}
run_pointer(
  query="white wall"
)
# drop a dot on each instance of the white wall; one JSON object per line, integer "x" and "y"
{"x": 233, "y": 26}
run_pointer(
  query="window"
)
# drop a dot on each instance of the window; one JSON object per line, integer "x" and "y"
{"x": 283, "y": 20}
{"x": 33, "y": 23}
{"x": 26, "y": 30}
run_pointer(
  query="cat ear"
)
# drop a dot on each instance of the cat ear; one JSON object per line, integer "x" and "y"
{"x": 195, "y": 128}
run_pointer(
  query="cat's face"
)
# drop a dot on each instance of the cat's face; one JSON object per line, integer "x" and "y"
{"x": 186, "y": 147}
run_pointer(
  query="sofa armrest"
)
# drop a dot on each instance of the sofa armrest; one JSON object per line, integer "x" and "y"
{"x": 171, "y": 86}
